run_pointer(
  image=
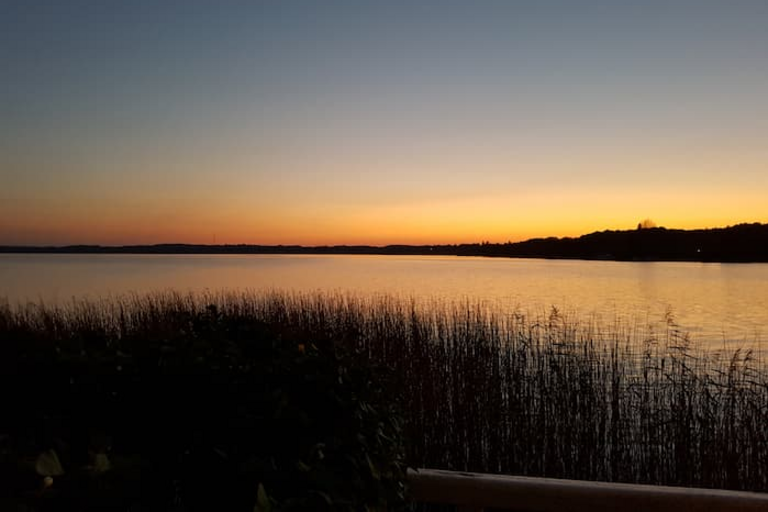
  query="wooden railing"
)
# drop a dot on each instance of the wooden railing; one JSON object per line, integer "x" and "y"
{"x": 473, "y": 492}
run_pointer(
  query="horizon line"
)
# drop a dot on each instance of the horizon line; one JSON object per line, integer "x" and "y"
{"x": 361, "y": 245}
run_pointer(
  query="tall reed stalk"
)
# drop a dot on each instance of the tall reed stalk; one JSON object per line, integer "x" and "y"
{"x": 501, "y": 392}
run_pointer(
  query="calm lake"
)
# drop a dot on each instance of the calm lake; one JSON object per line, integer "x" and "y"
{"x": 717, "y": 303}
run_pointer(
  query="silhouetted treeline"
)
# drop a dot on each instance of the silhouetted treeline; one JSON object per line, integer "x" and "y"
{"x": 741, "y": 243}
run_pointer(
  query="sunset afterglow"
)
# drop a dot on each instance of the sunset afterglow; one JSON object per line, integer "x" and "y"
{"x": 378, "y": 123}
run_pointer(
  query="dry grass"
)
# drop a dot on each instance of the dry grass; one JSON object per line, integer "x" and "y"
{"x": 543, "y": 395}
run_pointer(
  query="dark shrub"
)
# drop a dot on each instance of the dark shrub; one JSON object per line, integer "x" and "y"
{"x": 203, "y": 412}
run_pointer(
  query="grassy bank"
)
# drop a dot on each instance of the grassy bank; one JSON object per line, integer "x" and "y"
{"x": 542, "y": 395}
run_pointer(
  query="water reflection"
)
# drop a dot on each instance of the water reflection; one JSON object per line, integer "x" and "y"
{"x": 712, "y": 301}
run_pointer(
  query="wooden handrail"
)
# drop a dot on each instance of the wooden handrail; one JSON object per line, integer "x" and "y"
{"x": 475, "y": 491}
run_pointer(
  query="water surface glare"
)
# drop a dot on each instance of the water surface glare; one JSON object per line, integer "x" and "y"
{"x": 716, "y": 303}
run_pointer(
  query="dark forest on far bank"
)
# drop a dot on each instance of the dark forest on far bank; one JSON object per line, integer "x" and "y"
{"x": 734, "y": 244}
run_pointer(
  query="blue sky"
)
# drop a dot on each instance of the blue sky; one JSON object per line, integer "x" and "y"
{"x": 377, "y": 122}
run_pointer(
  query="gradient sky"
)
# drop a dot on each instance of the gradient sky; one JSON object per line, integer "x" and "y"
{"x": 379, "y": 122}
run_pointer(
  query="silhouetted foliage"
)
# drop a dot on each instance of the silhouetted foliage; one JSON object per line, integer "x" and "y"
{"x": 741, "y": 243}
{"x": 205, "y": 410}
{"x": 539, "y": 396}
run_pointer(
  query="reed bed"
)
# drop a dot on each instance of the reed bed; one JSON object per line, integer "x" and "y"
{"x": 544, "y": 394}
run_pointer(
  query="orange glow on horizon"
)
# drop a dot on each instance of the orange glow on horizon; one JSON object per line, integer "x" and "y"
{"x": 496, "y": 219}
{"x": 239, "y": 207}
{"x": 378, "y": 124}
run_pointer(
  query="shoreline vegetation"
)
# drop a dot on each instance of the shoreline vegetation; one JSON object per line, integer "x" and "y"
{"x": 547, "y": 395}
{"x": 743, "y": 243}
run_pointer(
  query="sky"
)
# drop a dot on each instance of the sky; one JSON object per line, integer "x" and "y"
{"x": 370, "y": 122}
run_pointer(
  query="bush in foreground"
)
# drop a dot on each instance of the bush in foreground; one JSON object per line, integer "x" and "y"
{"x": 543, "y": 395}
{"x": 195, "y": 409}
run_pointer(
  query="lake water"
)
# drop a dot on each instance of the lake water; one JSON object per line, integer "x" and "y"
{"x": 716, "y": 303}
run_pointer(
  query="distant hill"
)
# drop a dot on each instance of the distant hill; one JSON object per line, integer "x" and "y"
{"x": 741, "y": 243}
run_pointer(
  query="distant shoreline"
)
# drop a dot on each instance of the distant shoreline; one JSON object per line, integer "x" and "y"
{"x": 744, "y": 243}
